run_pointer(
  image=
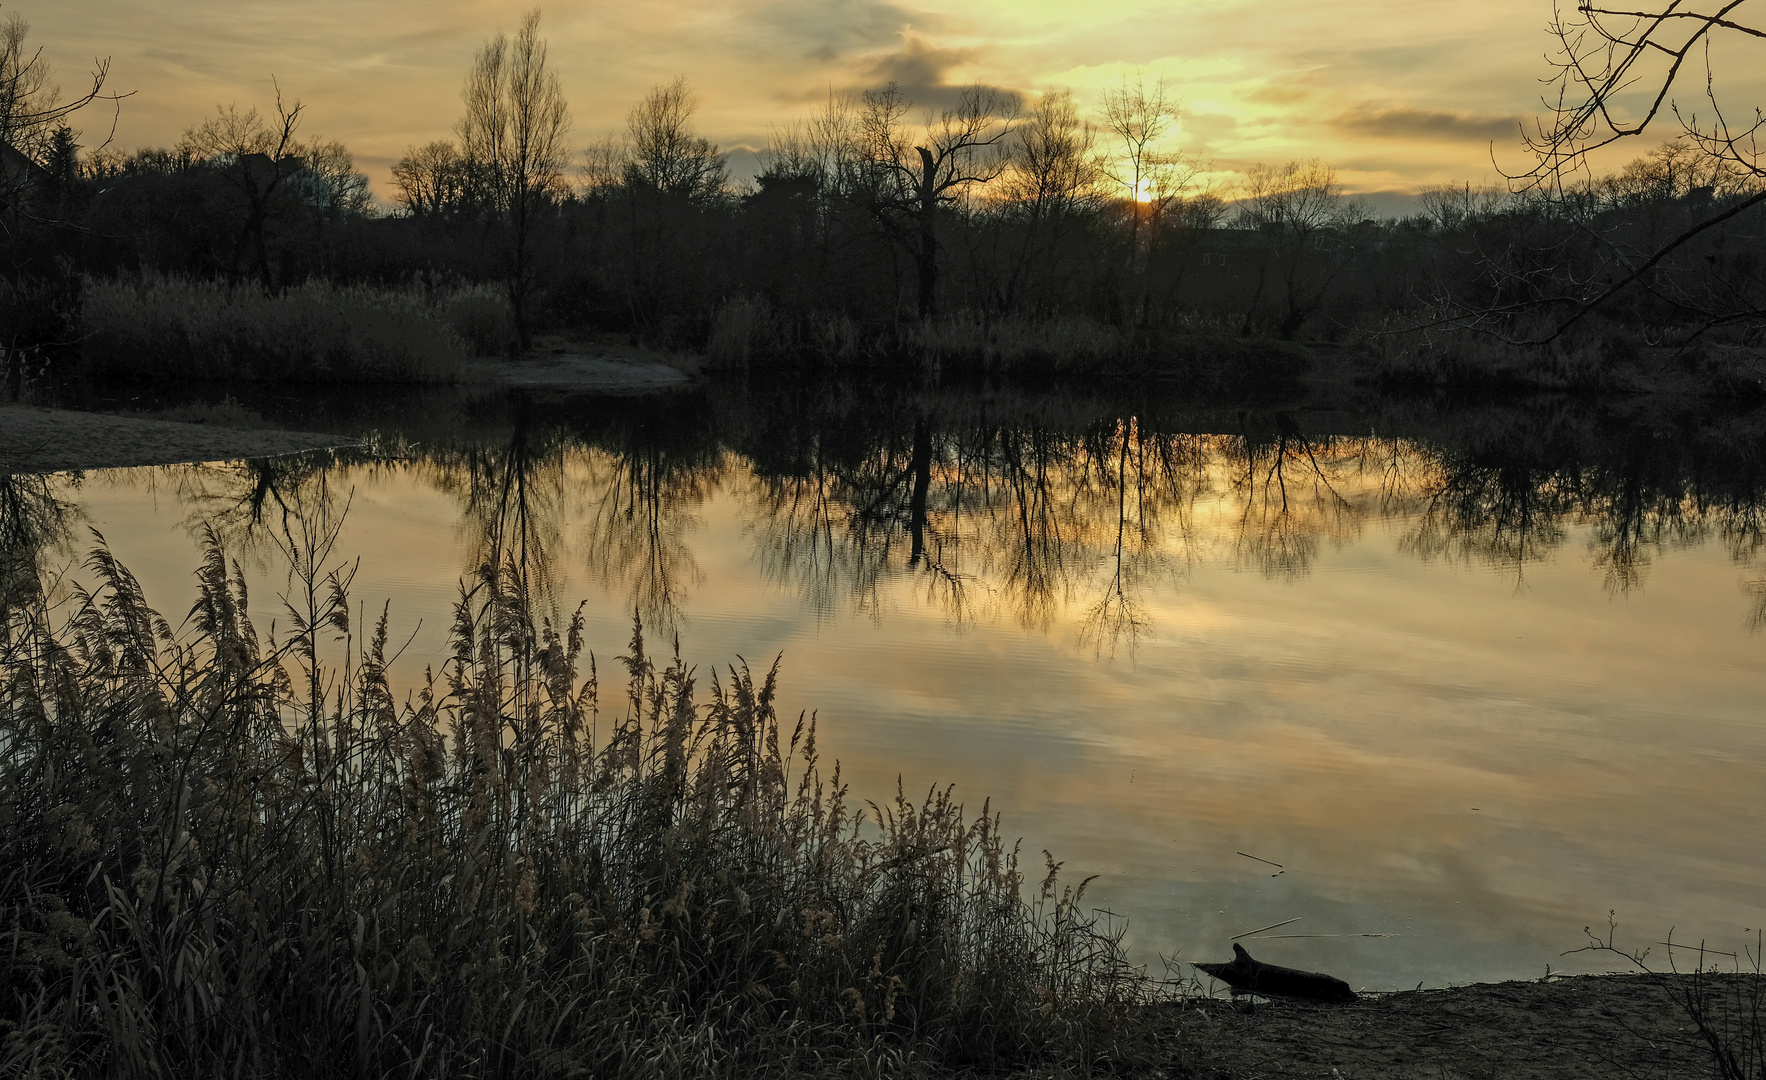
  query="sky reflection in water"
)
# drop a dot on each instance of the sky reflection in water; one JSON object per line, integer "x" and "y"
{"x": 1469, "y": 694}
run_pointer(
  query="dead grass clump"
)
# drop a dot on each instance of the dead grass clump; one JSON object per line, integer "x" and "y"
{"x": 748, "y": 332}
{"x": 224, "y": 413}
{"x": 1726, "y": 1008}
{"x": 225, "y": 854}
{"x": 480, "y": 315}
{"x": 1467, "y": 359}
{"x": 1014, "y": 343}
{"x": 161, "y": 327}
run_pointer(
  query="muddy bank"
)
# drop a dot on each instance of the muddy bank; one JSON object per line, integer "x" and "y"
{"x": 1588, "y": 1026}
{"x": 39, "y": 440}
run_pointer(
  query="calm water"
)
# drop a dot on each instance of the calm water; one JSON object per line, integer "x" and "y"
{"x": 1472, "y": 677}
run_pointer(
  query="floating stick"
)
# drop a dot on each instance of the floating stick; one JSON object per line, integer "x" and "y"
{"x": 1279, "y": 868}
{"x": 1261, "y": 929}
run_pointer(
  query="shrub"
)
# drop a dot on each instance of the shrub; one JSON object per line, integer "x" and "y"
{"x": 159, "y": 327}
{"x": 224, "y": 856}
{"x": 748, "y": 331}
{"x": 480, "y": 315}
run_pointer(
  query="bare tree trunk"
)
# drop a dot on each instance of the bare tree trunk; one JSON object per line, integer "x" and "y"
{"x": 518, "y": 279}
{"x": 928, "y": 253}
{"x": 921, "y": 466}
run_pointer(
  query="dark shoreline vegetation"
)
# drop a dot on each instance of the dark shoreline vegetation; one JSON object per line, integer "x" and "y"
{"x": 252, "y": 250}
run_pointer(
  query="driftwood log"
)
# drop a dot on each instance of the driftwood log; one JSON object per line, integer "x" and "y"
{"x": 1248, "y": 976}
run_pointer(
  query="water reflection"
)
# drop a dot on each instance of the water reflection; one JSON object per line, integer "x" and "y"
{"x": 512, "y": 501}
{"x": 1045, "y": 510}
{"x": 643, "y": 500}
{"x": 1287, "y": 701}
{"x": 36, "y": 531}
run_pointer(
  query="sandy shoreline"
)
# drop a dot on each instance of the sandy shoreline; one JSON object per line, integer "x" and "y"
{"x": 39, "y": 440}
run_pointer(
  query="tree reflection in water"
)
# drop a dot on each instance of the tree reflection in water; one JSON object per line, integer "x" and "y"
{"x": 1064, "y": 515}
{"x": 1048, "y": 514}
{"x": 643, "y": 497}
{"x": 1289, "y": 502}
{"x": 36, "y": 530}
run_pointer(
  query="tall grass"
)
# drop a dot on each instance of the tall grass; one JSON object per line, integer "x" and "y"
{"x": 1013, "y": 343}
{"x": 226, "y": 855}
{"x": 161, "y": 327}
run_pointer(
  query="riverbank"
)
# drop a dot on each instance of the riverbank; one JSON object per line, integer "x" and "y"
{"x": 1593, "y": 1026}
{"x": 40, "y": 440}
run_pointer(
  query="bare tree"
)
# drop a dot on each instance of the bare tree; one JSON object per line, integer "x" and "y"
{"x": 959, "y": 148}
{"x": 1300, "y": 199}
{"x": 31, "y": 110}
{"x": 1054, "y": 170}
{"x": 432, "y": 179}
{"x": 514, "y": 131}
{"x": 332, "y": 180}
{"x": 1453, "y": 206}
{"x": 1053, "y": 180}
{"x": 604, "y": 164}
{"x": 1619, "y": 73}
{"x": 1298, "y": 207}
{"x": 1140, "y": 117}
{"x": 666, "y": 155}
{"x": 256, "y": 158}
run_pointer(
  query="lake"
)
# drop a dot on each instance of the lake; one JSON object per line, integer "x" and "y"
{"x": 1410, "y": 691}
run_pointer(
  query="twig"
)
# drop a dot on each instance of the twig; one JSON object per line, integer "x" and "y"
{"x": 1261, "y": 929}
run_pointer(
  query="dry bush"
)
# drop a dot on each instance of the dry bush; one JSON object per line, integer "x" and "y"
{"x": 160, "y": 327}
{"x": 224, "y": 856}
{"x": 480, "y": 315}
{"x": 1069, "y": 343}
{"x": 1465, "y": 358}
{"x": 748, "y": 331}
{"x": 1726, "y": 1009}
{"x": 740, "y": 327}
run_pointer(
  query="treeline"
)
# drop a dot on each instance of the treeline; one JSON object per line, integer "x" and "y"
{"x": 998, "y": 230}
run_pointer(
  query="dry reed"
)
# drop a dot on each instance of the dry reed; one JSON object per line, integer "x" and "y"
{"x": 160, "y": 327}
{"x": 226, "y": 855}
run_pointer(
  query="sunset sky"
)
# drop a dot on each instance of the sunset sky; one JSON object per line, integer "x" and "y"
{"x": 1396, "y": 93}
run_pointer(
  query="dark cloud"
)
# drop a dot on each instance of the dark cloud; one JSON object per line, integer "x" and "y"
{"x": 835, "y": 30}
{"x": 920, "y": 69}
{"x": 1423, "y": 124}
{"x": 916, "y": 67}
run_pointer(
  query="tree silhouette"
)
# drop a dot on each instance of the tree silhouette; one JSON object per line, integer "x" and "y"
{"x": 1618, "y": 73}
{"x": 907, "y": 191}
{"x": 514, "y": 132}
